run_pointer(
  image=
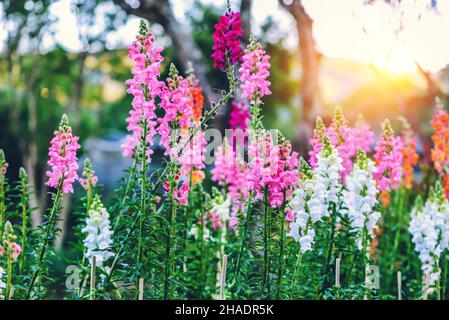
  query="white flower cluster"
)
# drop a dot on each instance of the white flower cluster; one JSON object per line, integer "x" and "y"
{"x": 327, "y": 172}
{"x": 425, "y": 238}
{"x": 309, "y": 207}
{"x": 98, "y": 240}
{"x": 361, "y": 197}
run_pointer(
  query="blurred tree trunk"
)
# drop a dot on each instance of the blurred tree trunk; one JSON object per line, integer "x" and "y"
{"x": 161, "y": 12}
{"x": 310, "y": 63}
{"x": 27, "y": 146}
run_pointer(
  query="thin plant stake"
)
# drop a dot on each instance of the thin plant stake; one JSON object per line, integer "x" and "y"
{"x": 141, "y": 283}
{"x": 223, "y": 277}
{"x": 92, "y": 278}
{"x": 337, "y": 272}
{"x": 399, "y": 285}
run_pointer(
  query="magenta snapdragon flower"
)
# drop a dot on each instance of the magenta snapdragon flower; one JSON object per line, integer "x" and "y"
{"x": 388, "y": 159}
{"x": 239, "y": 117}
{"x": 254, "y": 73}
{"x": 227, "y": 35}
{"x": 63, "y": 160}
{"x": 144, "y": 86}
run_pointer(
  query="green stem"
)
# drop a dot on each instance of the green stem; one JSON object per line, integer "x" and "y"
{"x": 9, "y": 279}
{"x": 23, "y": 204}
{"x": 243, "y": 238}
{"x": 331, "y": 247}
{"x": 265, "y": 241}
{"x": 48, "y": 229}
{"x": 125, "y": 193}
{"x": 143, "y": 205}
{"x": 281, "y": 253}
{"x": 296, "y": 274}
{"x": 169, "y": 262}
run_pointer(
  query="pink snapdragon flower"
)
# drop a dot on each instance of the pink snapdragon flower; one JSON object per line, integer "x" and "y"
{"x": 272, "y": 167}
{"x": 340, "y": 135}
{"x": 254, "y": 72}
{"x": 230, "y": 171}
{"x": 316, "y": 142}
{"x": 144, "y": 86}
{"x": 63, "y": 160}
{"x": 227, "y": 35}
{"x": 388, "y": 159}
{"x": 239, "y": 117}
{"x": 362, "y": 135}
{"x": 16, "y": 249}
{"x": 175, "y": 101}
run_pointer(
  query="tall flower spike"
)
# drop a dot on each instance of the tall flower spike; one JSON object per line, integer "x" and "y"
{"x": 254, "y": 73}
{"x": 89, "y": 174}
{"x": 196, "y": 95}
{"x": 328, "y": 170}
{"x": 9, "y": 238}
{"x": 308, "y": 206}
{"x": 361, "y": 197}
{"x": 340, "y": 134}
{"x": 409, "y": 154}
{"x": 63, "y": 160}
{"x": 388, "y": 159}
{"x": 144, "y": 86}
{"x": 227, "y": 36}
{"x": 175, "y": 101}
{"x": 316, "y": 141}
{"x": 98, "y": 240}
{"x": 440, "y": 150}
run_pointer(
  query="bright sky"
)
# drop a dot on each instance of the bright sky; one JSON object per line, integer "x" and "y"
{"x": 343, "y": 29}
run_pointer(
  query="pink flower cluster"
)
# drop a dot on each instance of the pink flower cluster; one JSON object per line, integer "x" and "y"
{"x": 347, "y": 140}
{"x": 175, "y": 101}
{"x": 388, "y": 159}
{"x": 239, "y": 117}
{"x": 273, "y": 168}
{"x": 254, "y": 72}
{"x": 63, "y": 160}
{"x": 226, "y": 38}
{"x": 15, "y": 248}
{"x": 144, "y": 86}
{"x": 230, "y": 171}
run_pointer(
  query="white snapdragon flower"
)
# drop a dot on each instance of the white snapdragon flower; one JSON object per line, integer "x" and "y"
{"x": 327, "y": 172}
{"x": 308, "y": 205}
{"x": 98, "y": 240}
{"x": 425, "y": 238}
{"x": 361, "y": 197}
